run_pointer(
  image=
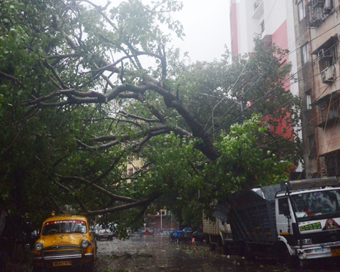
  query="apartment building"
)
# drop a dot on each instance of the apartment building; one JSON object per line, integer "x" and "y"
{"x": 273, "y": 22}
{"x": 317, "y": 28}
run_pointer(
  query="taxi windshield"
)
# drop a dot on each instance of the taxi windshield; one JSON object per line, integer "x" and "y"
{"x": 316, "y": 204}
{"x": 64, "y": 226}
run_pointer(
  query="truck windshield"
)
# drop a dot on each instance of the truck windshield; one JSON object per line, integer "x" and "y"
{"x": 316, "y": 204}
{"x": 65, "y": 226}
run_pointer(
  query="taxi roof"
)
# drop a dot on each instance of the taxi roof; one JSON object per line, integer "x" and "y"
{"x": 66, "y": 217}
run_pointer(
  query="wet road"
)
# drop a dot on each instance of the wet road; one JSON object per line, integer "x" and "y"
{"x": 156, "y": 254}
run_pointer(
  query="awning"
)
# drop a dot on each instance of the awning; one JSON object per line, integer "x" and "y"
{"x": 327, "y": 44}
{"x": 334, "y": 95}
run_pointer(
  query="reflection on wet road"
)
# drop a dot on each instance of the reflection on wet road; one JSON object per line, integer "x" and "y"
{"x": 156, "y": 254}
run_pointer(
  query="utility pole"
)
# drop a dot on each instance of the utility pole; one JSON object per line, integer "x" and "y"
{"x": 161, "y": 221}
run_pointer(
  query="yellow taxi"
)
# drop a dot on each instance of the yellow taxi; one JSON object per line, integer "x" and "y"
{"x": 65, "y": 241}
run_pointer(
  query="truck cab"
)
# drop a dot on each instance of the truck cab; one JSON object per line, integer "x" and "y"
{"x": 308, "y": 218}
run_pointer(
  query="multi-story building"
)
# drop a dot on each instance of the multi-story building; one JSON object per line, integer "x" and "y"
{"x": 317, "y": 27}
{"x": 273, "y": 22}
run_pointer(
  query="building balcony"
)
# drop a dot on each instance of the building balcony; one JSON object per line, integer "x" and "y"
{"x": 258, "y": 8}
{"x": 318, "y": 10}
{"x": 328, "y": 110}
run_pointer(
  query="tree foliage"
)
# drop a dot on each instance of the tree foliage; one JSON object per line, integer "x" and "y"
{"x": 86, "y": 89}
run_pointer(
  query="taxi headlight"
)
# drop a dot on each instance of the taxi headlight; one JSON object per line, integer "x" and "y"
{"x": 84, "y": 244}
{"x": 38, "y": 246}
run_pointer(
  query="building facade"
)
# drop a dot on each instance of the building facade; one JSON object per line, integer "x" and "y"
{"x": 317, "y": 27}
{"x": 273, "y": 22}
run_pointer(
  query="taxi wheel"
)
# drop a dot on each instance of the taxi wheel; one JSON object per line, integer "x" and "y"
{"x": 90, "y": 266}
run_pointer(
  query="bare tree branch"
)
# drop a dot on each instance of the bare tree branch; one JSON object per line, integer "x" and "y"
{"x": 54, "y": 72}
{"x": 100, "y": 189}
{"x": 143, "y": 202}
{"x": 107, "y": 171}
{"x": 80, "y": 203}
{"x": 14, "y": 79}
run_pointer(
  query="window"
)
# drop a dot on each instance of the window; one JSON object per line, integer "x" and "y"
{"x": 315, "y": 205}
{"x": 312, "y": 146}
{"x": 305, "y": 53}
{"x": 308, "y": 101}
{"x": 262, "y": 27}
{"x": 302, "y": 10}
{"x": 283, "y": 205}
{"x": 257, "y": 3}
{"x": 333, "y": 163}
{"x": 64, "y": 226}
{"x": 327, "y": 55}
{"x": 329, "y": 111}
{"x": 334, "y": 108}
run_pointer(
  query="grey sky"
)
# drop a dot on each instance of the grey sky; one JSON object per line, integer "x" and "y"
{"x": 206, "y": 25}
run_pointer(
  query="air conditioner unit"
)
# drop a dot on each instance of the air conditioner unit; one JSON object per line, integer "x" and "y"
{"x": 328, "y": 74}
{"x": 327, "y": 7}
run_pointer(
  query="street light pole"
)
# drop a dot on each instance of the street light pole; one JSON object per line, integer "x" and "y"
{"x": 161, "y": 221}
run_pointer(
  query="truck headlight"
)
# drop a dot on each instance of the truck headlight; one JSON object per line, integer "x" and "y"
{"x": 84, "y": 244}
{"x": 38, "y": 246}
{"x": 307, "y": 241}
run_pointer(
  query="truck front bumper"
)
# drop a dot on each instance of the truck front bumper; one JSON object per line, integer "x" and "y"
{"x": 319, "y": 251}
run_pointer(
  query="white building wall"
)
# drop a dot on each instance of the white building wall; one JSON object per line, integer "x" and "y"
{"x": 274, "y": 14}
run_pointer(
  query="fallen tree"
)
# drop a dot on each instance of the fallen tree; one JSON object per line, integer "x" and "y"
{"x": 81, "y": 109}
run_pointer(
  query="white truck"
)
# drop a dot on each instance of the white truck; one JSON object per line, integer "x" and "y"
{"x": 296, "y": 220}
{"x": 217, "y": 232}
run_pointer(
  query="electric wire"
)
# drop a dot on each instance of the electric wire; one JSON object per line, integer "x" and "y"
{"x": 236, "y": 118}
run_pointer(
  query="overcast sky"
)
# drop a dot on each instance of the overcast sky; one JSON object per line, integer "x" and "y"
{"x": 206, "y": 25}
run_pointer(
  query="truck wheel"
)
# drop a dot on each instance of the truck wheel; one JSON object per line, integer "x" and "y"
{"x": 290, "y": 260}
{"x": 212, "y": 247}
{"x": 90, "y": 266}
{"x": 248, "y": 253}
{"x": 226, "y": 249}
{"x": 303, "y": 264}
{"x": 37, "y": 268}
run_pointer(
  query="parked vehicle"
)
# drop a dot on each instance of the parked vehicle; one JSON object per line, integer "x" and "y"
{"x": 105, "y": 232}
{"x": 296, "y": 220}
{"x": 198, "y": 236}
{"x": 217, "y": 232}
{"x": 184, "y": 235}
{"x": 65, "y": 241}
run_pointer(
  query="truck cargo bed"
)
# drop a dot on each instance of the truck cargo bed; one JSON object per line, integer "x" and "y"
{"x": 252, "y": 217}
